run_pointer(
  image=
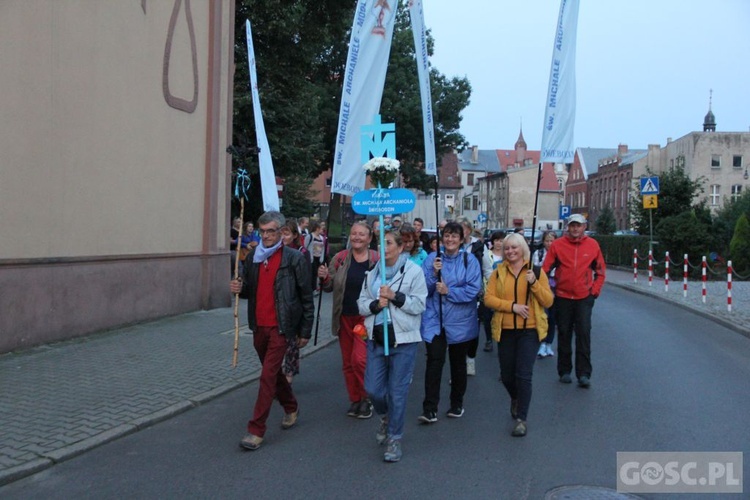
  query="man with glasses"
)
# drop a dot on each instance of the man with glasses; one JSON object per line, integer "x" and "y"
{"x": 279, "y": 309}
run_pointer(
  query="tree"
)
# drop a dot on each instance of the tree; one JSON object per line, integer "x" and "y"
{"x": 402, "y": 105}
{"x": 683, "y": 234}
{"x": 678, "y": 194}
{"x": 605, "y": 222}
{"x": 725, "y": 220}
{"x": 739, "y": 248}
{"x": 300, "y": 51}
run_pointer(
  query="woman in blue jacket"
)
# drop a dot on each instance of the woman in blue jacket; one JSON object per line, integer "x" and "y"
{"x": 454, "y": 281}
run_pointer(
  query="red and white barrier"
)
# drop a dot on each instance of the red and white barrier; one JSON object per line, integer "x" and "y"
{"x": 729, "y": 286}
{"x": 684, "y": 276}
{"x": 685, "y": 270}
{"x": 650, "y": 267}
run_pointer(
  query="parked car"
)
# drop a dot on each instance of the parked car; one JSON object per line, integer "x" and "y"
{"x": 626, "y": 232}
{"x": 537, "y": 237}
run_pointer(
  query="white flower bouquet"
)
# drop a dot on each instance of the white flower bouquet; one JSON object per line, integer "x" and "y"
{"x": 382, "y": 171}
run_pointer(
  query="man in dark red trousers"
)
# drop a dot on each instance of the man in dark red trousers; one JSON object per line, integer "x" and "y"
{"x": 279, "y": 296}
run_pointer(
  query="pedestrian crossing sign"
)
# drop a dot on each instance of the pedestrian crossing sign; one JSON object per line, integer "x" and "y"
{"x": 650, "y": 201}
{"x": 649, "y": 185}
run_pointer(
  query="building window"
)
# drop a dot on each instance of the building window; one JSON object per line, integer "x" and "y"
{"x": 328, "y": 181}
{"x": 475, "y": 203}
{"x": 736, "y": 192}
{"x": 467, "y": 203}
{"x": 715, "y": 161}
{"x": 469, "y": 179}
{"x": 737, "y": 161}
{"x": 715, "y": 194}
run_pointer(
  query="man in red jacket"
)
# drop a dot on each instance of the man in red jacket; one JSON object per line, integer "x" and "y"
{"x": 579, "y": 272}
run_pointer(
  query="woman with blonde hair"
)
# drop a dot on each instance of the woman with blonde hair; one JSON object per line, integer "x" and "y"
{"x": 518, "y": 296}
{"x": 344, "y": 277}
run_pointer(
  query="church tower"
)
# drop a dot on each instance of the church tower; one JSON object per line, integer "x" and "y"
{"x": 709, "y": 122}
{"x": 520, "y": 148}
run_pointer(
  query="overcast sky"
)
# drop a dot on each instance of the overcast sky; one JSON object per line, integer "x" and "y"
{"x": 643, "y": 67}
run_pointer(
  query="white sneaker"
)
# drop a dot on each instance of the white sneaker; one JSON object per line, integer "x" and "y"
{"x": 542, "y": 352}
{"x": 471, "y": 367}
{"x": 549, "y": 351}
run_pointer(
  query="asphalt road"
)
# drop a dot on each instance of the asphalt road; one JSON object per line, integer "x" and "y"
{"x": 664, "y": 380}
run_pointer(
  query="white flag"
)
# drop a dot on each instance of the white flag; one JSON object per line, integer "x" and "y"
{"x": 560, "y": 109}
{"x": 267, "y": 176}
{"x": 416, "y": 13}
{"x": 364, "y": 78}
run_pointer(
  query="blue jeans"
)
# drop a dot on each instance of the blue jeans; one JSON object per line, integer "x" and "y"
{"x": 517, "y": 351}
{"x": 574, "y": 316}
{"x": 387, "y": 380}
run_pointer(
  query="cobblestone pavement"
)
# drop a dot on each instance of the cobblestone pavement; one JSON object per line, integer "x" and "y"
{"x": 59, "y": 400}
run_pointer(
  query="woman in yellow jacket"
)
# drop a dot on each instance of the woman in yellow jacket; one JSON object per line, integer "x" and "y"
{"x": 518, "y": 298}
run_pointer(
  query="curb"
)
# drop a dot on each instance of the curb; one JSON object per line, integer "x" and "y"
{"x": 51, "y": 458}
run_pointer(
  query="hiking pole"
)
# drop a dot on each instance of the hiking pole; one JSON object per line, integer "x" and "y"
{"x": 240, "y": 191}
{"x": 320, "y": 282}
{"x": 439, "y": 276}
{"x": 533, "y": 228}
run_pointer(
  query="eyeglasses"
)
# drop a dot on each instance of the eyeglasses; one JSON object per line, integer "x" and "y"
{"x": 267, "y": 232}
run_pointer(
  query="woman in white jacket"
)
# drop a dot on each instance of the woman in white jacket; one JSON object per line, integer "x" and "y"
{"x": 399, "y": 303}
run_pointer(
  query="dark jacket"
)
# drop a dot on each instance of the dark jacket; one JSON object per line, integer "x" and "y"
{"x": 292, "y": 291}
{"x": 341, "y": 263}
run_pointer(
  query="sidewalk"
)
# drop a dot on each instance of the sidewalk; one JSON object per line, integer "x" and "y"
{"x": 58, "y": 401}
{"x": 715, "y": 307}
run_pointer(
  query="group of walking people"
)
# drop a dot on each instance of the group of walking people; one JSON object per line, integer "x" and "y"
{"x": 383, "y": 310}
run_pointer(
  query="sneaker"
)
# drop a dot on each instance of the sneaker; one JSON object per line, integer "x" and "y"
{"x": 584, "y": 382}
{"x": 514, "y": 408}
{"x": 392, "y": 451}
{"x": 354, "y": 409}
{"x": 428, "y": 417}
{"x": 488, "y": 346}
{"x": 520, "y": 428}
{"x": 542, "y": 352}
{"x": 550, "y": 352}
{"x": 289, "y": 420}
{"x": 565, "y": 378}
{"x": 455, "y": 412}
{"x": 471, "y": 367}
{"x": 365, "y": 409}
{"x": 251, "y": 442}
{"x": 382, "y": 435}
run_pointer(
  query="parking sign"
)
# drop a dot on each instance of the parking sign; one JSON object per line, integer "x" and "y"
{"x": 564, "y": 211}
